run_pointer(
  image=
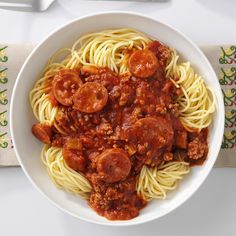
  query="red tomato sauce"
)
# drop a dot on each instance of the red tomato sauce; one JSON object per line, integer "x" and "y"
{"x": 110, "y": 125}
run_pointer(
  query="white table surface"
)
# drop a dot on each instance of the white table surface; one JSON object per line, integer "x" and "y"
{"x": 211, "y": 211}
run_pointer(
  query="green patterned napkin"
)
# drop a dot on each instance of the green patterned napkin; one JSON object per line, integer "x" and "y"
{"x": 11, "y": 59}
{"x": 223, "y": 60}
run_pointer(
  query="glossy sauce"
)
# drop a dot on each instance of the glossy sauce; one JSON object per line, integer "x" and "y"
{"x": 109, "y": 126}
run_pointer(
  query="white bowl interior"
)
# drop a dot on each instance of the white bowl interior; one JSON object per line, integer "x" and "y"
{"x": 28, "y": 148}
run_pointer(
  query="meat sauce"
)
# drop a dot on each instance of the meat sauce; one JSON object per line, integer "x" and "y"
{"x": 110, "y": 125}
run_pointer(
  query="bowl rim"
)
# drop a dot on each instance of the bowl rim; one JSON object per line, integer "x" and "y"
{"x": 220, "y": 104}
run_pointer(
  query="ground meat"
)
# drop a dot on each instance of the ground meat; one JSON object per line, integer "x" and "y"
{"x": 117, "y": 202}
{"x": 137, "y": 116}
{"x": 126, "y": 95}
{"x": 58, "y": 141}
{"x": 196, "y": 149}
{"x": 168, "y": 156}
{"x": 104, "y": 128}
{"x": 162, "y": 51}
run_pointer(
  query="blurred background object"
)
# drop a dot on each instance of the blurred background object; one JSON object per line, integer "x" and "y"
{"x": 26, "y": 5}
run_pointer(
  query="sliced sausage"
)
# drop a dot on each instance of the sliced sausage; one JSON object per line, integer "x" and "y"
{"x": 73, "y": 155}
{"x": 150, "y": 137}
{"x": 155, "y": 132}
{"x": 113, "y": 165}
{"x": 90, "y": 97}
{"x": 42, "y": 132}
{"x": 143, "y": 63}
{"x": 74, "y": 159}
{"x": 64, "y": 85}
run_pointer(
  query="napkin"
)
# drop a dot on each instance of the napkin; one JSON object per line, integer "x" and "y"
{"x": 222, "y": 58}
{"x": 12, "y": 58}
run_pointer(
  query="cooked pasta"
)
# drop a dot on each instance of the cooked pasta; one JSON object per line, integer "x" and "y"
{"x": 70, "y": 116}
{"x": 107, "y": 48}
{"x": 63, "y": 176}
{"x": 197, "y": 104}
{"x": 104, "y": 49}
{"x": 155, "y": 182}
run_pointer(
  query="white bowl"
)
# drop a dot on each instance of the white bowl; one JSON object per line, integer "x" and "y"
{"x": 21, "y": 118}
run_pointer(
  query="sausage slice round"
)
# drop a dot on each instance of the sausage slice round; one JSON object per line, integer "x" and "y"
{"x": 143, "y": 63}
{"x": 73, "y": 155}
{"x": 156, "y": 132}
{"x": 42, "y": 132}
{"x": 113, "y": 165}
{"x": 74, "y": 159}
{"x": 64, "y": 85}
{"x": 90, "y": 97}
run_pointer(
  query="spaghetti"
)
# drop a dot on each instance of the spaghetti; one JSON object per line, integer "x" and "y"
{"x": 117, "y": 52}
{"x": 104, "y": 49}
{"x": 63, "y": 176}
{"x": 107, "y": 48}
{"x": 153, "y": 183}
{"x": 197, "y": 103}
